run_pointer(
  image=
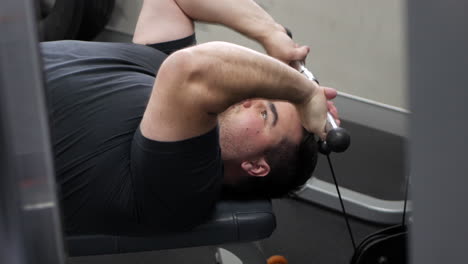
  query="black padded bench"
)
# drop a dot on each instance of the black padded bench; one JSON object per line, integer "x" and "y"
{"x": 231, "y": 222}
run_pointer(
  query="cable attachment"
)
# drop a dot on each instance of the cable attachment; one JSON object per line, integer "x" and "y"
{"x": 338, "y": 139}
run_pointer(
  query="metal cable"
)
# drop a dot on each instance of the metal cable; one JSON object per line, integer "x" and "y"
{"x": 341, "y": 202}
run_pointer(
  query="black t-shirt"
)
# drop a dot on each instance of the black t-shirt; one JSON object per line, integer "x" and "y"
{"x": 113, "y": 180}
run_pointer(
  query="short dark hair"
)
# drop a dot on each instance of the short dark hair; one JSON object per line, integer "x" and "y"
{"x": 291, "y": 165}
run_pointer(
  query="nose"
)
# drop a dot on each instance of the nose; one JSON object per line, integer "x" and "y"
{"x": 247, "y": 103}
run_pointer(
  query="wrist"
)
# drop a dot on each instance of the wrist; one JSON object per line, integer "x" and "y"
{"x": 312, "y": 89}
{"x": 267, "y": 35}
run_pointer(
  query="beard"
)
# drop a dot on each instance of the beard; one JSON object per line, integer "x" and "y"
{"x": 226, "y": 133}
{"x": 235, "y": 144}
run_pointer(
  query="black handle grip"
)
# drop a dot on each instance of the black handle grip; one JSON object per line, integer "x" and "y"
{"x": 338, "y": 140}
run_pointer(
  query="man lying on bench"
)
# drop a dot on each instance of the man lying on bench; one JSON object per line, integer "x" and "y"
{"x": 143, "y": 139}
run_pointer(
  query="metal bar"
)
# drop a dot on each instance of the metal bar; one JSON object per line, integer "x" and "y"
{"x": 373, "y": 114}
{"x": 438, "y": 59}
{"x": 357, "y": 204}
{"x": 28, "y": 190}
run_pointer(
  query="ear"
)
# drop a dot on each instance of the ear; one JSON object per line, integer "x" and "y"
{"x": 256, "y": 168}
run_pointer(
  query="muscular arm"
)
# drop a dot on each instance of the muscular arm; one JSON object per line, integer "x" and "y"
{"x": 165, "y": 20}
{"x": 244, "y": 16}
{"x": 229, "y": 73}
{"x": 196, "y": 84}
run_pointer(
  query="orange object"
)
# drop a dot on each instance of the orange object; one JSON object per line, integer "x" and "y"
{"x": 277, "y": 259}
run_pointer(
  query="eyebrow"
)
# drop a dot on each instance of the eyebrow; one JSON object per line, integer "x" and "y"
{"x": 275, "y": 113}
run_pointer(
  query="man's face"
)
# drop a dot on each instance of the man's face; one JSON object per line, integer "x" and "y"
{"x": 251, "y": 127}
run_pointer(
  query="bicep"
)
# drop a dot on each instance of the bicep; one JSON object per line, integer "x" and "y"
{"x": 176, "y": 109}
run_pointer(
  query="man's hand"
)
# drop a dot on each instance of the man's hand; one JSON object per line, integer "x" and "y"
{"x": 330, "y": 94}
{"x": 313, "y": 112}
{"x": 280, "y": 46}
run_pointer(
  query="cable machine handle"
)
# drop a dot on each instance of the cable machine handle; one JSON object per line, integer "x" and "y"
{"x": 337, "y": 139}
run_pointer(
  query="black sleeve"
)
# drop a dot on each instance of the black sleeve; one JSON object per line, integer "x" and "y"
{"x": 174, "y": 45}
{"x": 176, "y": 183}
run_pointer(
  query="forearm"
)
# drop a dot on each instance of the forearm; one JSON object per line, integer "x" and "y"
{"x": 228, "y": 74}
{"x": 244, "y": 16}
{"x": 196, "y": 84}
{"x": 166, "y": 20}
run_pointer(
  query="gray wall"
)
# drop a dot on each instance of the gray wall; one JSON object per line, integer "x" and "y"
{"x": 438, "y": 60}
{"x": 357, "y": 46}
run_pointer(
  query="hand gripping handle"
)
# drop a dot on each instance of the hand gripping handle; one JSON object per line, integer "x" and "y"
{"x": 337, "y": 139}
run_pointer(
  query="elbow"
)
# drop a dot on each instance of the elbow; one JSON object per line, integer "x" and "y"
{"x": 180, "y": 65}
{"x": 200, "y": 61}
{"x": 194, "y": 73}
{"x": 189, "y": 66}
